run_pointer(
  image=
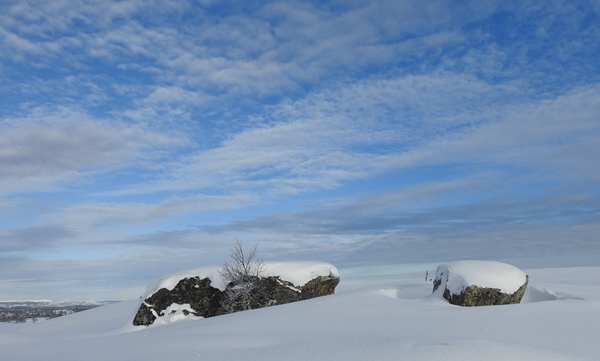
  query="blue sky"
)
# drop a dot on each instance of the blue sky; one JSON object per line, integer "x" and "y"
{"x": 139, "y": 138}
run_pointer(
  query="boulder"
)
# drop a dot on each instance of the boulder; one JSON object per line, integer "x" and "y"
{"x": 480, "y": 283}
{"x": 203, "y": 292}
{"x": 273, "y": 290}
{"x": 203, "y": 300}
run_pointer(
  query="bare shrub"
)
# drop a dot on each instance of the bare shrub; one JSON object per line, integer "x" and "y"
{"x": 242, "y": 275}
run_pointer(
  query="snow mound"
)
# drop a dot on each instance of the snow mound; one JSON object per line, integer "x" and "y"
{"x": 538, "y": 295}
{"x": 299, "y": 273}
{"x": 170, "y": 281}
{"x": 457, "y": 276}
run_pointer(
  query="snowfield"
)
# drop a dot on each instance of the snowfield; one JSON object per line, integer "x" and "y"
{"x": 557, "y": 320}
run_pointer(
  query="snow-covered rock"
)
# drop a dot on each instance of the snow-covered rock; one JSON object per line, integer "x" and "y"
{"x": 480, "y": 283}
{"x": 202, "y": 292}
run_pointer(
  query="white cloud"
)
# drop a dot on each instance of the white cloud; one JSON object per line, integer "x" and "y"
{"x": 164, "y": 129}
{"x": 276, "y": 51}
{"x": 328, "y": 138}
{"x": 552, "y": 135}
{"x": 44, "y": 150}
{"x": 16, "y": 42}
{"x": 86, "y": 216}
{"x": 48, "y": 25}
{"x": 33, "y": 238}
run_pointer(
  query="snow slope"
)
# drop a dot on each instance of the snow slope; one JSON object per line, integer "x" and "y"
{"x": 395, "y": 321}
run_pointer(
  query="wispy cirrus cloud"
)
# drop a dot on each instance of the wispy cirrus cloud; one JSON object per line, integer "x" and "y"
{"x": 147, "y": 135}
{"x": 44, "y": 151}
{"x": 87, "y": 216}
{"x": 278, "y": 48}
{"x": 327, "y": 139}
{"x": 33, "y": 239}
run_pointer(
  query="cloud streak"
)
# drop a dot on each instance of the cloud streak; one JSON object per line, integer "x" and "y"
{"x": 43, "y": 151}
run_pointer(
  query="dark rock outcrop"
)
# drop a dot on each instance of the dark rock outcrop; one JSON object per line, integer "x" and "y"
{"x": 207, "y": 301}
{"x": 204, "y": 300}
{"x": 483, "y": 296}
{"x": 320, "y": 286}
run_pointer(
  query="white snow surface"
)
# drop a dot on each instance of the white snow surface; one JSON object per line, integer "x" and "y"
{"x": 398, "y": 320}
{"x": 174, "y": 313}
{"x": 298, "y": 273}
{"x": 457, "y": 276}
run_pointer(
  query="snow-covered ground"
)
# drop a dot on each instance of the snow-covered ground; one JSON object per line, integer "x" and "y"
{"x": 367, "y": 319}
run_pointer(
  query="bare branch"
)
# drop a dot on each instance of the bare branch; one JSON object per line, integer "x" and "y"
{"x": 242, "y": 275}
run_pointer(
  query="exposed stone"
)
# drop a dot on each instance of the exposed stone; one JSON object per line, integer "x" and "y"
{"x": 208, "y": 301}
{"x": 204, "y": 300}
{"x": 320, "y": 286}
{"x": 144, "y": 316}
{"x": 274, "y": 291}
{"x": 482, "y": 296}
